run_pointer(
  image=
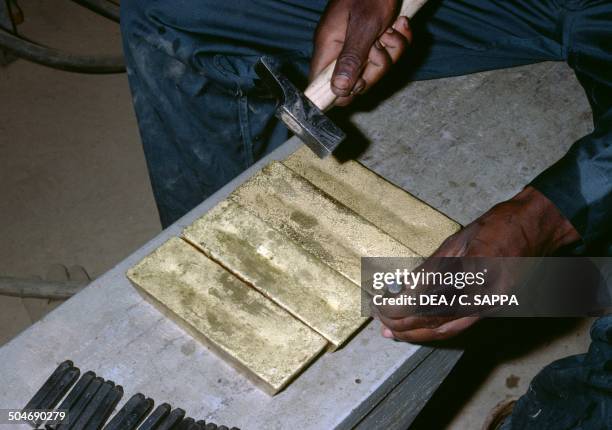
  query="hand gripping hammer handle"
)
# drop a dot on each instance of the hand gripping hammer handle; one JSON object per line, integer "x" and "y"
{"x": 320, "y": 92}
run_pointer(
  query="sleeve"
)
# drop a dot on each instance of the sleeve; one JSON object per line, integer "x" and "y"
{"x": 580, "y": 184}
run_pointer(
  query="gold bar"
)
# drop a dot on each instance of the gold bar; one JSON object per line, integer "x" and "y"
{"x": 243, "y": 326}
{"x": 390, "y": 208}
{"x": 280, "y": 269}
{"x": 326, "y": 228}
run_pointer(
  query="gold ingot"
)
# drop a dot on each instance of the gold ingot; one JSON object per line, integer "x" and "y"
{"x": 243, "y": 326}
{"x": 280, "y": 269}
{"x": 320, "y": 224}
{"x": 393, "y": 210}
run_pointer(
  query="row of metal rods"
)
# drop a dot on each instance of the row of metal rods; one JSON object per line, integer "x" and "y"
{"x": 92, "y": 400}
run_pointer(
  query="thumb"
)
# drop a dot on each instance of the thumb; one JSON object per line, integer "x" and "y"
{"x": 354, "y": 56}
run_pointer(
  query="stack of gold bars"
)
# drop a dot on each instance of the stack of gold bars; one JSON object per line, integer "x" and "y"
{"x": 270, "y": 277}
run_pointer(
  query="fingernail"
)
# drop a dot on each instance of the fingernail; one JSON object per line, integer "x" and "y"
{"x": 379, "y": 45}
{"x": 387, "y": 333}
{"x": 390, "y": 30}
{"x": 361, "y": 84}
{"x": 342, "y": 82}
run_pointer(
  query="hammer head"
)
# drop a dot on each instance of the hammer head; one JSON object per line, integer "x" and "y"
{"x": 298, "y": 113}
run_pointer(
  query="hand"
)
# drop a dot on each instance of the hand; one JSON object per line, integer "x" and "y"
{"x": 528, "y": 225}
{"x": 365, "y": 37}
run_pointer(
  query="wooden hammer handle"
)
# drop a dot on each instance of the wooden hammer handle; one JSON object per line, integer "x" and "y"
{"x": 320, "y": 92}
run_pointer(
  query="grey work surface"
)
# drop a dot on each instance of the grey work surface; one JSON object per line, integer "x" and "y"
{"x": 460, "y": 144}
{"x": 110, "y": 329}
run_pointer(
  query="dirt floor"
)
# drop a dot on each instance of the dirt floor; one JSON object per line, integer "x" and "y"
{"x": 74, "y": 189}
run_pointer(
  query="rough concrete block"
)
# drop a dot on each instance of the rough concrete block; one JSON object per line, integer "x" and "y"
{"x": 393, "y": 210}
{"x": 320, "y": 224}
{"x": 280, "y": 269}
{"x": 243, "y": 326}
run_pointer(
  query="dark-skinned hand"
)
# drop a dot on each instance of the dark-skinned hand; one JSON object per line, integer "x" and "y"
{"x": 527, "y": 225}
{"x": 366, "y": 37}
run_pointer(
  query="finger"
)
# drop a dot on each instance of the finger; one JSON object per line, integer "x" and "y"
{"x": 386, "y": 332}
{"x": 413, "y": 336}
{"x": 328, "y": 39}
{"x": 360, "y": 86}
{"x": 413, "y": 323}
{"x": 324, "y": 54}
{"x": 395, "y": 44}
{"x": 344, "y": 101}
{"x": 444, "y": 332}
{"x": 379, "y": 63}
{"x": 402, "y": 26}
{"x": 396, "y": 311}
{"x": 360, "y": 37}
{"x": 423, "y": 335}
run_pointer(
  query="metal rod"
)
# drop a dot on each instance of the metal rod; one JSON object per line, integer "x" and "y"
{"x": 34, "y": 288}
{"x": 57, "y": 59}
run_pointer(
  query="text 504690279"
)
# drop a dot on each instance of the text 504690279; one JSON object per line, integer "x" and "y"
{"x": 26, "y": 416}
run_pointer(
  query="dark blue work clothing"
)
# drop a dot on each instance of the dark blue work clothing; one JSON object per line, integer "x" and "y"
{"x": 203, "y": 121}
{"x": 572, "y": 393}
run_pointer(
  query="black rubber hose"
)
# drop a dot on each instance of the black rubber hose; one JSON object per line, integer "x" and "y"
{"x": 102, "y": 7}
{"x": 60, "y": 60}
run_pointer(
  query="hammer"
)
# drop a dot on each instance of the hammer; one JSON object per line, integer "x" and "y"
{"x": 303, "y": 113}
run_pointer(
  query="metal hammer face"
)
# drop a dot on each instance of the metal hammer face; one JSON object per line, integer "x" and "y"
{"x": 298, "y": 113}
